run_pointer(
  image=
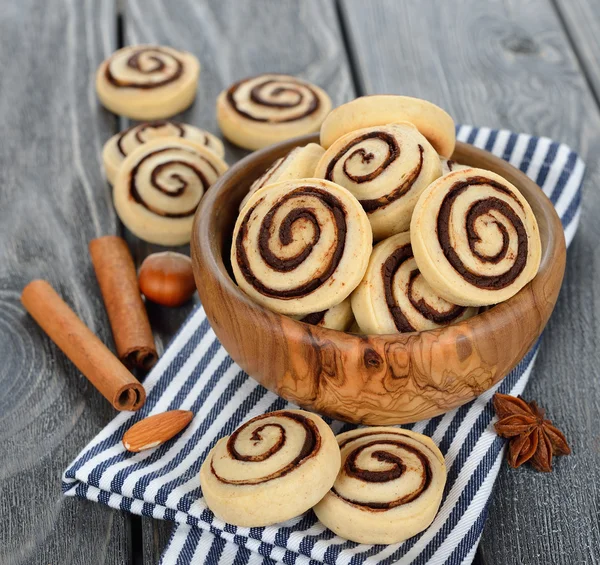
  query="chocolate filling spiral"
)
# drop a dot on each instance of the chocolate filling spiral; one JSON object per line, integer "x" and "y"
{"x": 388, "y": 271}
{"x": 315, "y": 318}
{"x": 268, "y": 174}
{"x": 394, "y": 470}
{"x": 392, "y": 153}
{"x": 173, "y": 193}
{"x": 269, "y": 93}
{"x": 310, "y": 446}
{"x": 476, "y": 210}
{"x": 147, "y": 61}
{"x": 138, "y": 132}
{"x": 285, "y": 235}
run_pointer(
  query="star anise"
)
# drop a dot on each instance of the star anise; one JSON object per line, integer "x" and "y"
{"x": 532, "y": 437}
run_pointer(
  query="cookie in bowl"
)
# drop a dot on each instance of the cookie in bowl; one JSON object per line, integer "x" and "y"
{"x": 475, "y": 238}
{"x": 395, "y": 297}
{"x": 300, "y": 246}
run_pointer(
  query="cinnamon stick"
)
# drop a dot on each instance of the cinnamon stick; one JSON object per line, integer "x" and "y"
{"x": 82, "y": 347}
{"x": 118, "y": 282}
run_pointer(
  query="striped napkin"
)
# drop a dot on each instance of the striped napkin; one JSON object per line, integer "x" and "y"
{"x": 195, "y": 373}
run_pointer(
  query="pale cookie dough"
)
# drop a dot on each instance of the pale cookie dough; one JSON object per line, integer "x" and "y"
{"x": 265, "y": 109}
{"x": 338, "y": 317}
{"x": 300, "y": 246}
{"x": 448, "y": 165}
{"x": 299, "y": 163}
{"x": 386, "y": 168}
{"x": 395, "y": 297}
{"x": 148, "y": 82}
{"x": 367, "y": 111}
{"x": 271, "y": 469}
{"x": 122, "y": 144}
{"x": 475, "y": 238}
{"x": 389, "y": 487}
{"x": 159, "y": 186}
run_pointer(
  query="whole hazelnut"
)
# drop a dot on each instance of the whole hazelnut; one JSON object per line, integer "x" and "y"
{"x": 167, "y": 278}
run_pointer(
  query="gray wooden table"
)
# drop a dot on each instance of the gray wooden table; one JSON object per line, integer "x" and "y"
{"x": 526, "y": 65}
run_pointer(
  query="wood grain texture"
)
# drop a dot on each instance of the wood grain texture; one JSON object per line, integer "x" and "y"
{"x": 581, "y": 19}
{"x": 509, "y": 64}
{"x": 301, "y": 38}
{"x": 52, "y": 202}
{"x": 375, "y": 380}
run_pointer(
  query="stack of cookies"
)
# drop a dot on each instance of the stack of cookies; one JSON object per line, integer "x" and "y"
{"x": 448, "y": 238}
{"x": 159, "y": 169}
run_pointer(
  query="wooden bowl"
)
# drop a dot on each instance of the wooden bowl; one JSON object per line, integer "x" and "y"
{"x": 375, "y": 379}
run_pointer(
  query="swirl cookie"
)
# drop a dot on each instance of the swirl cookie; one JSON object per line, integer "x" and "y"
{"x": 338, "y": 317}
{"x": 300, "y": 246}
{"x": 148, "y": 82}
{"x": 123, "y": 143}
{"x": 271, "y": 469}
{"x": 394, "y": 297}
{"x": 368, "y": 111}
{"x": 262, "y": 110}
{"x": 386, "y": 168}
{"x": 475, "y": 238}
{"x": 389, "y": 487}
{"x": 159, "y": 186}
{"x": 448, "y": 165}
{"x": 299, "y": 163}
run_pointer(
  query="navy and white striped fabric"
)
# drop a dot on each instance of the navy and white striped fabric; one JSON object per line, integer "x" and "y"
{"x": 195, "y": 373}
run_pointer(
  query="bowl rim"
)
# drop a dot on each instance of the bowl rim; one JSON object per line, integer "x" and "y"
{"x": 544, "y": 211}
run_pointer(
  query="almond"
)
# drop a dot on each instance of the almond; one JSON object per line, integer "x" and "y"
{"x": 154, "y": 430}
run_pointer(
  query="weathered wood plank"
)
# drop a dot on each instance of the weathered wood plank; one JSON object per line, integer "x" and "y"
{"x": 582, "y": 21}
{"x": 301, "y": 38}
{"x": 509, "y": 64}
{"x": 52, "y": 201}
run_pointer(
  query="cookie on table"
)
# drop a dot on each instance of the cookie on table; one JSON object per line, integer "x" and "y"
{"x": 122, "y": 144}
{"x": 300, "y": 246}
{"x": 259, "y": 111}
{"x": 148, "y": 82}
{"x": 299, "y": 163}
{"x": 395, "y": 297}
{"x": 338, "y": 317}
{"x": 386, "y": 168}
{"x": 159, "y": 186}
{"x": 475, "y": 238}
{"x": 378, "y": 110}
{"x": 389, "y": 487}
{"x": 271, "y": 469}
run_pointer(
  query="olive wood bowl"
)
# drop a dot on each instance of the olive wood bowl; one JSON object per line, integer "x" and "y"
{"x": 374, "y": 379}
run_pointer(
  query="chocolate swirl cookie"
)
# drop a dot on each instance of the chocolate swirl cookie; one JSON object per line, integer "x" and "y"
{"x": 159, "y": 185}
{"x": 386, "y": 168}
{"x": 449, "y": 165}
{"x": 299, "y": 163}
{"x": 338, "y": 317}
{"x": 368, "y": 111}
{"x": 389, "y": 487}
{"x": 271, "y": 469}
{"x": 123, "y": 143}
{"x": 262, "y": 110}
{"x": 475, "y": 238}
{"x": 395, "y": 297}
{"x": 300, "y": 246}
{"x": 147, "y": 82}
